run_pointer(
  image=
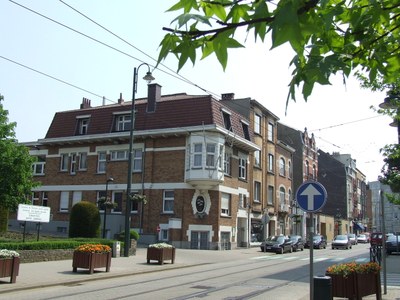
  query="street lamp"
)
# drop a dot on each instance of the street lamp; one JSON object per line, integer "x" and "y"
{"x": 391, "y": 102}
{"x": 148, "y": 78}
{"x": 105, "y": 207}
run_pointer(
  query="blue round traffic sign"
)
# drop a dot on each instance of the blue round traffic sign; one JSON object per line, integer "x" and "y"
{"x": 311, "y": 196}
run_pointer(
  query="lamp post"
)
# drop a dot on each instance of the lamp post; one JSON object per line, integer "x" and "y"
{"x": 148, "y": 78}
{"x": 105, "y": 207}
{"x": 391, "y": 102}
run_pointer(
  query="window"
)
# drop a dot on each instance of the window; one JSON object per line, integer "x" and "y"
{"x": 64, "y": 158}
{"x": 83, "y": 161}
{"x": 101, "y": 162}
{"x": 45, "y": 198}
{"x": 257, "y": 158}
{"x": 220, "y": 155}
{"x": 76, "y": 197}
{"x": 290, "y": 172}
{"x": 242, "y": 168}
{"x": 197, "y": 155}
{"x": 123, "y": 123}
{"x": 270, "y": 163}
{"x": 307, "y": 168}
{"x": 210, "y": 158}
{"x": 73, "y": 163}
{"x": 257, "y": 124}
{"x": 137, "y": 160}
{"x": 38, "y": 166}
{"x": 257, "y": 191}
{"x": 271, "y": 131}
{"x": 282, "y": 196}
{"x": 83, "y": 125}
{"x": 119, "y": 155}
{"x": 282, "y": 167}
{"x": 314, "y": 172}
{"x": 246, "y": 133}
{"x": 64, "y": 201}
{"x": 242, "y": 201}
{"x": 100, "y": 194}
{"x": 168, "y": 201}
{"x": 35, "y": 198}
{"x": 227, "y": 163}
{"x": 270, "y": 195}
{"x": 225, "y": 204}
{"x": 227, "y": 120}
{"x": 164, "y": 235}
{"x": 117, "y": 199}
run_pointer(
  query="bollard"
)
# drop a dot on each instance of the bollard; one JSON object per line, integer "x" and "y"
{"x": 322, "y": 288}
{"x": 116, "y": 249}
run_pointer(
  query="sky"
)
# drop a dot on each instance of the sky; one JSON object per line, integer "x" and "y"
{"x": 54, "y": 53}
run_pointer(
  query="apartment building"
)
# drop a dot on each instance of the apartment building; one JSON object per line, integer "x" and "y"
{"x": 191, "y": 159}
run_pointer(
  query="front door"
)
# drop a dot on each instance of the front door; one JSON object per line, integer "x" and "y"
{"x": 199, "y": 240}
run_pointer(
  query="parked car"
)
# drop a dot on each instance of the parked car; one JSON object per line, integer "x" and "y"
{"x": 352, "y": 238}
{"x": 362, "y": 238}
{"x": 393, "y": 244}
{"x": 376, "y": 239}
{"x": 319, "y": 242}
{"x": 297, "y": 242}
{"x": 278, "y": 244}
{"x": 341, "y": 241}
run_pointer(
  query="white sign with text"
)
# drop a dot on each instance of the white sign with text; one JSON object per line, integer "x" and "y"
{"x": 33, "y": 213}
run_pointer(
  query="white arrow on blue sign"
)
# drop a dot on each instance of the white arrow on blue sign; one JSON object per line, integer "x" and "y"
{"x": 311, "y": 196}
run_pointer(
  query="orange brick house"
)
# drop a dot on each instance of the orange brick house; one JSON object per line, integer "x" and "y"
{"x": 190, "y": 159}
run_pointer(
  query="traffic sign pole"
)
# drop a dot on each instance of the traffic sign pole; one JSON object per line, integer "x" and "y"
{"x": 311, "y": 234}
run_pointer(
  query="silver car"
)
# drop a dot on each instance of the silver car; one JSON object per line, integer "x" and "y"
{"x": 341, "y": 241}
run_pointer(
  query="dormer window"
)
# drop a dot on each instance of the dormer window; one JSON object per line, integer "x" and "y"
{"x": 83, "y": 125}
{"x": 122, "y": 122}
{"x": 246, "y": 133}
{"x": 227, "y": 119}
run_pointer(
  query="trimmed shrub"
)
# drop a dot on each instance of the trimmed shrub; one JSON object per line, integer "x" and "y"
{"x": 134, "y": 235}
{"x": 84, "y": 220}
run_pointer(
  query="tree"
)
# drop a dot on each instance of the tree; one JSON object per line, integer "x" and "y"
{"x": 16, "y": 178}
{"x": 327, "y": 36}
{"x": 84, "y": 220}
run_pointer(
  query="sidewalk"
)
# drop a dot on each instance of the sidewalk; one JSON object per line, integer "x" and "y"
{"x": 43, "y": 274}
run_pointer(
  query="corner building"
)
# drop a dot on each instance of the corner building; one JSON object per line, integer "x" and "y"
{"x": 190, "y": 159}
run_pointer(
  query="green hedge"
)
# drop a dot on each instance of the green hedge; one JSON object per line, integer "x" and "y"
{"x": 53, "y": 244}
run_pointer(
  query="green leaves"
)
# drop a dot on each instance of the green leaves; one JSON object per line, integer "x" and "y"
{"x": 327, "y": 37}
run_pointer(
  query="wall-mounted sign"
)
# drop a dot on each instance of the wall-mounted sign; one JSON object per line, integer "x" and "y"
{"x": 33, "y": 213}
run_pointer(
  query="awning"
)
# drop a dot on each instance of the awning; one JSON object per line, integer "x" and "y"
{"x": 358, "y": 226}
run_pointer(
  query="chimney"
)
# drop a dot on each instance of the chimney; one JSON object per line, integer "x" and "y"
{"x": 120, "y": 100}
{"x": 154, "y": 95}
{"x": 85, "y": 103}
{"x": 228, "y": 96}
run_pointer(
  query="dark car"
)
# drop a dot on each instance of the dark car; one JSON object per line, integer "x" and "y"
{"x": 278, "y": 244}
{"x": 376, "y": 239}
{"x": 297, "y": 242}
{"x": 393, "y": 244}
{"x": 341, "y": 241}
{"x": 319, "y": 242}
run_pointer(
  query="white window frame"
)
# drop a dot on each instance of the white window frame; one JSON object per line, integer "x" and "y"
{"x": 101, "y": 161}
{"x": 257, "y": 123}
{"x": 168, "y": 201}
{"x": 76, "y": 197}
{"x": 64, "y": 201}
{"x": 83, "y": 125}
{"x": 82, "y": 161}
{"x": 271, "y": 163}
{"x": 257, "y": 191}
{"x": 38, "y": 168}
{"x": 257, "y": 158}
{"x": 197, "y": 155}
{"x": 45, "y": 198}
{"x": 116, "y": 155}
{"x": 225, "y": 205}
{"x": 242, "y": 167}
{"x": 137, "y": 164}
{"x": 35, "y": 198}
{"x": 271, "y": 194}
{"x": 72, "y": 164}
{"x": 117, "y": 197}
{"x": 282, "y": 196}
{"x": 227, "y": 163}
{"x": 282, "y": 167}
{"x": 271, "y": 127}
{"x": 64, "y": 162}
{"x": 220, "y": 157}
{"x": 123, "y": 122}
{"x": 211, "y": 149}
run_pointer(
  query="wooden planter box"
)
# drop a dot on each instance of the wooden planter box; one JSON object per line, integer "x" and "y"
{"x": 9, "y": 267}
{"x": 356, "y": 286}
{"x": 91, "y": 261}
{"x": 160, "y": 254}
